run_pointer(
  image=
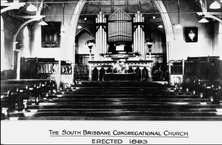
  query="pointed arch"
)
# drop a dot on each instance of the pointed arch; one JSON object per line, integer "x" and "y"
{"x": 160, "y": 6}
{"x": 69, "y": 44}
{"x": 167, "y": 26}
{"x": 166, "y": 20}
{"x": 85, "y": 29}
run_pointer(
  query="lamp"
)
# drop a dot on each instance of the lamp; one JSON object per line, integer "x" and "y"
{"x": 215, "y": 5}
{"x": 160, "y": 26}
{"x": 42, "y": 23}
{"x": 149, "y": 44}
{"x": 90, "y": 44}
{"x": 79, "y": 27}
{"x": 203, "y": 20}
{"x": 31, "y": 8}
{"x": 178, "y": 26}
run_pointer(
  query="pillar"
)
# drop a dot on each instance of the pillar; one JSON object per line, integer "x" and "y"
{"x": 2, "y": 45}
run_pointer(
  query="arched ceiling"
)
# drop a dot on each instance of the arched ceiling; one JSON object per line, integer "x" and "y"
{"x": 129, "y": 6}
{"x": 147, "y": 7}
{"x": 93, "y": 7}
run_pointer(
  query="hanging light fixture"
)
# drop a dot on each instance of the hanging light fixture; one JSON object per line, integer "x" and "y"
{"x": 31, "y": 8}
{"x": 149, "y": 42}
{"x": 203, "y": 20}
{"x": 160, "y": 26}
{"x": 178, "y": 26}
{"x": 42, "y": 23}
{"x": 215, "y": 5}
{"x": 79, "y": 27}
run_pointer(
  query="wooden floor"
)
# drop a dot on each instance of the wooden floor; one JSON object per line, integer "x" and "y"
{"x": 122, "y": 101}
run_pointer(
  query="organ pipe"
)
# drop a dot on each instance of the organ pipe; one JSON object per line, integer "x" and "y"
{"x": 120, "y": 27}
{"x": 103, "y": 34}
{"x": 140, "y": 39}
{"x": 137, "y": 30}
{"x": 101, "y": 41}
{"x": 139, "y": 36}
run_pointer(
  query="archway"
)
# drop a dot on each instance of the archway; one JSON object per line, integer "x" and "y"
{"x": 165, "y": 18}
{"x": 159, "y": 4}
{"x": 81, "y": 49}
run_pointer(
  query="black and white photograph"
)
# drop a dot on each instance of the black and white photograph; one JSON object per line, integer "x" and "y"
{"x": 111, "y": 71}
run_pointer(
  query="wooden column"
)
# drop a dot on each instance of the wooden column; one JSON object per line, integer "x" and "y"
{"x": 18, "y": 74}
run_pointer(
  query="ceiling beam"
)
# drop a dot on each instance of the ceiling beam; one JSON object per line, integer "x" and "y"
{"x": 209, "y": 13}
{"x": 39, "y": 10}
{"x": 11, "y": 6}
{"x": 203, "y": 4}
{"x": 86, "y": 8}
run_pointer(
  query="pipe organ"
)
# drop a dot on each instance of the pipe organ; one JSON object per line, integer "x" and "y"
{"x": 101, "y": 36}
{"x": 139, "y": 35}
{"x": 115, "y": 38}
{"x": 120, "y": 32}
{"x": 120, "y": 27}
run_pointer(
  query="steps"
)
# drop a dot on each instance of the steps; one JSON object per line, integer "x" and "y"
{"x": 123, "y": 101}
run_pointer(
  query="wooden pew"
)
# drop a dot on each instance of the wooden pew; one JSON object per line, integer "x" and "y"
{"x": 95, "y": 101}
{"x": 17, "y": 94}
{"x": 207, "y": 89}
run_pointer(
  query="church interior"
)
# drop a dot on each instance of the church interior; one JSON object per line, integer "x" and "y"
{"x": 111, "y": 60}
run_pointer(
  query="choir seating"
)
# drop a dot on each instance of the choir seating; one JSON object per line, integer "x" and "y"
{"x": 123, "y": 100}
{"x": 17, "y": 94}
{"x": 201, "y": 75}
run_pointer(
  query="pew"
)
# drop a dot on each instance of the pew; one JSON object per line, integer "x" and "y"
{"x": 124, "y": 101}
{"x": 207, "y": 88}
{"x": 17, "y": 94}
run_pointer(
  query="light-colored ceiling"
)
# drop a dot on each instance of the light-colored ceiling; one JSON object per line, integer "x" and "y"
{"x": 129, "y": 6}
{"x": 93, "y": 7}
